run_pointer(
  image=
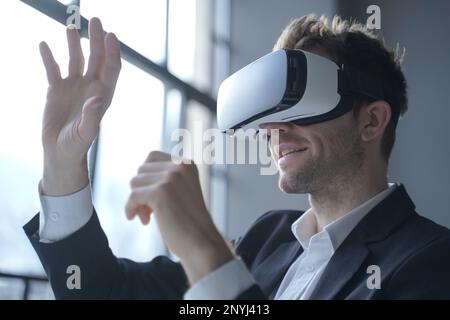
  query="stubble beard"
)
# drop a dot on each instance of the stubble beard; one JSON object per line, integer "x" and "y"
{"x": 344, "y": 160}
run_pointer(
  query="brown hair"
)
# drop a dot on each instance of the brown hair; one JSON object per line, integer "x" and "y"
{"x": 349, "y": 42}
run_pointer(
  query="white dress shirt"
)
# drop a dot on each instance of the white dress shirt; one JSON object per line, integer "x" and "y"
{"x": 304, "y": 274}
{"x": 62, "y": 216}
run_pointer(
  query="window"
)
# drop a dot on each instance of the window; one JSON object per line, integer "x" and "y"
{"x": 23, "y": 90}
{"x": 140, "y": 24}
{"x": 130, "y": 129}
{"x": 145, "y": 106}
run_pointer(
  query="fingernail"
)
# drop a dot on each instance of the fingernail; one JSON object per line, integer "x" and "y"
{"x": 71, "y": 27}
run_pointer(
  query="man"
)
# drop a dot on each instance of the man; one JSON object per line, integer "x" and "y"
{"x": 361, "y": 238}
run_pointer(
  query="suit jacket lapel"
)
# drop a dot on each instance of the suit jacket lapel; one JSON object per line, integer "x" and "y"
{"x": 341, "y": 268}
{"x": 375, "y": 226}
{"x": 270, "y": 273}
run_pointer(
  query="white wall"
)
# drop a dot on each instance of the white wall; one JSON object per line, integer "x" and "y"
{"x": 421, "y": 156}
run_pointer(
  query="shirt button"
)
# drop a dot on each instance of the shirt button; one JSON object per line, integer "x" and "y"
{"x": 310, "y": 268}
{"x": 54, "y": 216}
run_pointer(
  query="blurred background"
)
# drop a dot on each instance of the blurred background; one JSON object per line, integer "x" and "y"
{"x": 176, "y": 53}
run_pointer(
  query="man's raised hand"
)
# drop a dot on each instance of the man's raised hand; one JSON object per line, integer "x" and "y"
{"x": 75, "y": 106}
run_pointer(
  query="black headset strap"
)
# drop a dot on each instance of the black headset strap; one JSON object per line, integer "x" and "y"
{"x": 353, "y": 81}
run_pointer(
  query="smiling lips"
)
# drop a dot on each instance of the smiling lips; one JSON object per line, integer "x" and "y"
{"x": 285, "y": 149}
{"x": 285, "y": 153}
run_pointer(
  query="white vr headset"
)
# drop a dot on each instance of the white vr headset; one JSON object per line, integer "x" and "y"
{"x": 291, "y": 86}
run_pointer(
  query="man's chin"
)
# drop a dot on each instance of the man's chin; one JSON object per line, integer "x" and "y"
{"x": 291, "y": 183}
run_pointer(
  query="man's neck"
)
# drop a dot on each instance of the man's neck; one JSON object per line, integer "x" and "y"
{"x": 341, "y": 196}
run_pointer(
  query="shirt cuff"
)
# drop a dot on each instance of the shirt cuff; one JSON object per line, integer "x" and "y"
{"x": 225, "y": 283}
{"x": 62, "y": 216}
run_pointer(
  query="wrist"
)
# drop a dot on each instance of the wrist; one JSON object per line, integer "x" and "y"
{"x": 205, "y": 259}
{"x": 63, "y": 178}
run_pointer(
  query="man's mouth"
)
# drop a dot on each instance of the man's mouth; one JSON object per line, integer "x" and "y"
{"x": 290, "y": 151}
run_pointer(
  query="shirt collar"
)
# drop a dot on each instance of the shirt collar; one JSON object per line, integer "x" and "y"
{"x": 305, "y": 227}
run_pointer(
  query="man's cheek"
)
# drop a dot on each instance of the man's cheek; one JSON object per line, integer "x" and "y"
{"x": 272, "y": 151}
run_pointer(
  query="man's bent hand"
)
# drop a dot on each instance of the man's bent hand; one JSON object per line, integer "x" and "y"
{"x": 172, "y": 192}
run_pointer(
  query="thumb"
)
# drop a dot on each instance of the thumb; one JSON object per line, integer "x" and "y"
{"x": 91, "y": 115}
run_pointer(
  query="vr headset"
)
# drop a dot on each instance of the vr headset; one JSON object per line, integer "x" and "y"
{"x": 291, "y": 86}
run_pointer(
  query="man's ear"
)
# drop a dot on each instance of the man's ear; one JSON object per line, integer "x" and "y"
{"x": 373, "y": 119}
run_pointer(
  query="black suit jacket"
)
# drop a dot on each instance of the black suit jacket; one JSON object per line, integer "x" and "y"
{"x": 412, "y": 252}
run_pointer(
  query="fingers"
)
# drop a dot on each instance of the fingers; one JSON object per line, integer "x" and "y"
{"x": 141, "y": 186}
{"x": 155, "y": 156}
{"x": 139, "y": 198}
{"x": 144, "y": 213}
{"x": 112, "y": 63}
{"x": 157, "y": 178}
{"x": 146, "y": 178}
{"x": 154, "y": 167}
{"x": 51, "y": 67}
{"x": 76, "y": 61}
{"x": 97, "y": 48}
